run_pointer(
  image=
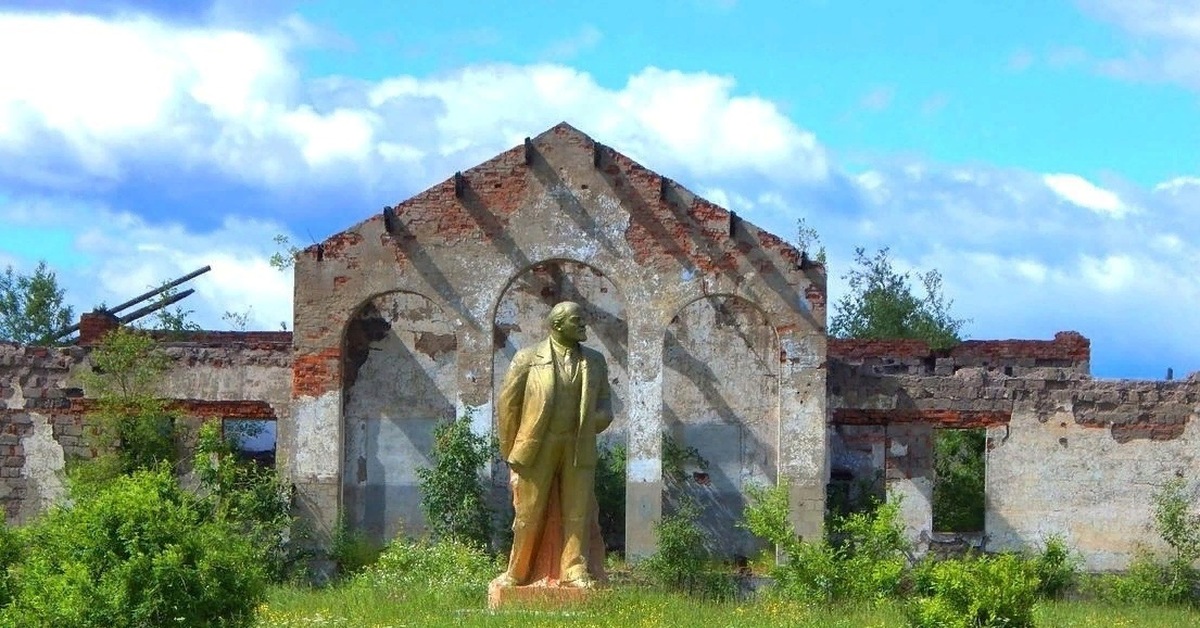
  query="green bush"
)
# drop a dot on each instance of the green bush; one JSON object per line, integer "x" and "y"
{"x": 1056, "y": 567}
{"x": 1154, "y": 580}
{"x": 251, "y": 498}
{"x": 1148, "y": 580}
{"x": 351, "y": 549}
{"x": 132, "y": 427}
{"x": 682, "y": 562}
{"x": 447, "y": 567}
{"x": 973, "y": 592}
{"x": 136, "y": 553}
{"x": 863, "y": 558}
{"x": 11, "y": 551}
{"x": 452, "y": 493}
{"x": 610, "y": 495}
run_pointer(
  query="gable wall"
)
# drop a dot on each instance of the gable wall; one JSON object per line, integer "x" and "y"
{"x": 461, "y": 253}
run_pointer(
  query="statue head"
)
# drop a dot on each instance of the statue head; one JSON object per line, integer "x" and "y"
{"x": 568, "y": 325}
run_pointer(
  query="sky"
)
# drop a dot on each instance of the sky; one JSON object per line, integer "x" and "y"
{"x": 1043, "y": 156}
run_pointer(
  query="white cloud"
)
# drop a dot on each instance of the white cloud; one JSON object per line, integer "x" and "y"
{"x": 1109, "y": 274}
{"x": 586, "y": 38}
{"x": 150, "y": 96}
{"x": 1168, "y": 37}
{"x": 1017, "y": 254}
{"x": 1178, "y": 185}
{"x": 1079, "y": 191}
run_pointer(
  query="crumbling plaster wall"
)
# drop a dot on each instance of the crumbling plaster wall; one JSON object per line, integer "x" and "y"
{"x": 1066, "y": 454}
{"x": 43, "y": 404}
{"x": 721, "y": 398}
{"x": 462, "y": 242}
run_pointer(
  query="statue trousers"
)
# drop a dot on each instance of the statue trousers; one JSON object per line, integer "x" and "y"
{"x": 531, "y": 491}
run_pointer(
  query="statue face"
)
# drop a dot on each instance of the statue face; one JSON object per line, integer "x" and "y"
{"x": 573, "y": 327}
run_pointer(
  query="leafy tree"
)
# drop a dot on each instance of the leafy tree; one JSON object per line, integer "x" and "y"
{"x": 881, "y": 304}
{"x": 133, "y": 427}
{"x": 32, "y": 306}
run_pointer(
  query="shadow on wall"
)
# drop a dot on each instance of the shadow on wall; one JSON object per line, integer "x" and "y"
{"x": 721, "y": 397}
{"x": 400, "y": 370}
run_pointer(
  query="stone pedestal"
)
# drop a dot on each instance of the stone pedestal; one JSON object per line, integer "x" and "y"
{"x": 541, "y": 593}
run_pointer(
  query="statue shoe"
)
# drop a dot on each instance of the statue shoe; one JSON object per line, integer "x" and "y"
{"x": 505, "y": 580}
{"x": 582, "y": 582}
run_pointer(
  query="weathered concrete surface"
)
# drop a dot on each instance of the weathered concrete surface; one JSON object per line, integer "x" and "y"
{"x": 1083, "y": 459}
{"x": 1066, "y": 454}
{"x": 463, "y": 243}
{"x": 400, "y": 381}
{"x": 722, "y": 398}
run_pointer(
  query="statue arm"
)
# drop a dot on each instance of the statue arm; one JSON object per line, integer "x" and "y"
{"x": 603, "y": 401}
{"x": 512, "y": 399}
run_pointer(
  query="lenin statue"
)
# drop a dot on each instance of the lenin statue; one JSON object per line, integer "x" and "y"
{"x": 554, "y": 400}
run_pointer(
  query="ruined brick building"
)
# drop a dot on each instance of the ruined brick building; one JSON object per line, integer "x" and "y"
{"x": 714, "y": 331}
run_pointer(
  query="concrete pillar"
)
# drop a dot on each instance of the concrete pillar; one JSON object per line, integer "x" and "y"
{"x": 803, "y": 436}
{"x": 644, "y": 486}
{"x": 909, "y": 473}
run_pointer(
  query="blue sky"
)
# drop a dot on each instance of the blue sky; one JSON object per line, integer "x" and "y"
{"x": 1042, "y": 155}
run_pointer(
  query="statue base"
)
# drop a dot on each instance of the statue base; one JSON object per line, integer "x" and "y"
{"x": 540, "y": 593}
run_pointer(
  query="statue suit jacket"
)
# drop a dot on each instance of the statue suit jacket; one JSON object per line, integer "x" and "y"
{"x": 526, "y": 399}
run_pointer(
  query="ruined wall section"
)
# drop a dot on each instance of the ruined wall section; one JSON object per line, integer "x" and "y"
{"x": 559, "y": 198}
{"x": 43, "y": 404}
{"x": 37, "y": 428}
{"x": 1066, "y": 453}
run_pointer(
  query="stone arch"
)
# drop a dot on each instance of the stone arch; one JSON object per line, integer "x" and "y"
{"x": 721, "y": 398}
{"x": 400, "y": 368}
{"x": 519, "y": 321}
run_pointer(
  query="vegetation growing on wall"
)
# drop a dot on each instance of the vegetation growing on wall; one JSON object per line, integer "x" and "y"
{"x": 132, "y": 427}
{"x": 882, "y": 303}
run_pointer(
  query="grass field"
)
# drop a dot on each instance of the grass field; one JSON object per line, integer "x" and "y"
{"x": 628, "y": 607}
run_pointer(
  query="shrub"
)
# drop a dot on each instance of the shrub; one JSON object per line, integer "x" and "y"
{"x": 1056, "y": 568}
{"x": 1148, "y": 580}
{"x": 1176, "y": 523}
{"x": 447, "y": 566}
{"x": 133, "y": 428}
{"x": 137, "y": 553}
{"x": 610, "y": 495}
{"x": 251, "y": 498}
{"x": 10, "y": 555}
{"x": 452, "y": 493}
{"x": 1153, "y": 580}
{"x": 864, "y": 558}
{"x": 682, "y": 562}
{"x": 351, "y": 549}
{"x": 973, "y": 592}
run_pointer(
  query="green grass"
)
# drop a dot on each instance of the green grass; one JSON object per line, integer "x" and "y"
{"x": 628, "y": 607}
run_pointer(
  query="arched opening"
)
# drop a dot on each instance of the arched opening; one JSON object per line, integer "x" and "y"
{"x": 721, "y": 405}
{"x": 400, "y": 368}
{"x": 520, "y": 321}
